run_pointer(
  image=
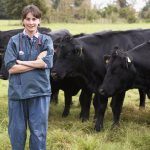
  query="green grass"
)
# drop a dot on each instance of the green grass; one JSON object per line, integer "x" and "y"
{"x": 76, "y": 28}
{"x": 70, "y": 133}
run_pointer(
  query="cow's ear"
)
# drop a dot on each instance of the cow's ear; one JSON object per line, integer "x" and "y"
{"x": 106, "y": 58}
{"x": 78, "y": 51}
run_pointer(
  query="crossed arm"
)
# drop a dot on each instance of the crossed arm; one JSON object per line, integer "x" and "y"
{"x": 24, "y": 66}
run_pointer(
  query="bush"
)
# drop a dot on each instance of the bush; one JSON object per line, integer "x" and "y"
{"x": 129, "y": 14}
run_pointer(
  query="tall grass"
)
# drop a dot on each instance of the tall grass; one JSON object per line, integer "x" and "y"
{"x": 70, "y": 133}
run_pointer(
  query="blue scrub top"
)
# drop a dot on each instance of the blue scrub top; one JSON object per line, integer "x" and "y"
{"x": 32, "y": 83}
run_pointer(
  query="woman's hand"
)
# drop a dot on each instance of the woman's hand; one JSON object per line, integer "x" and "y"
{"x": 19, "y": 62}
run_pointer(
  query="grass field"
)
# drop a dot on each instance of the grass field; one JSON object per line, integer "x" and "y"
{"x": 76, "y": 28}
{"x": 70, "y": 133}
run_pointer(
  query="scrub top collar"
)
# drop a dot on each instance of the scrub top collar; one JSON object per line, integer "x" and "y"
{"x": 36, "y": 35}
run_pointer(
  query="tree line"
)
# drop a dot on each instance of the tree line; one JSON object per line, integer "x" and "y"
{"x": 77, "y": 11}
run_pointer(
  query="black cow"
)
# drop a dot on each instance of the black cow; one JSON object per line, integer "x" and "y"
{"x": 70, "y": 85}
{"x": 56, "y": 36}
{"x": 127, "y": 70}
{"x": 83, "y": 57}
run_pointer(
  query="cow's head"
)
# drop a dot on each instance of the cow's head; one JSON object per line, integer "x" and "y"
{"x": 68, "y": 61}
{"x": 120, "y": 73}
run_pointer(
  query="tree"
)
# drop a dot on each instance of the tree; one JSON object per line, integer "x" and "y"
{"x": 122, "y": 3}
{"x": 3, "y": 9}
{"x": 78, "y": 3}
{"x": 128, "y": 13}
{"x": 14, "y": 7}
{"x": 145, "y": 12}
{"x": 55, "y": 3}
{"x": 65, "y": 10}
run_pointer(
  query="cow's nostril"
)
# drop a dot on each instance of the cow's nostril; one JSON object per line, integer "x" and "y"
{"x": 54, "y": 75}
{"x": 101, "y": 91}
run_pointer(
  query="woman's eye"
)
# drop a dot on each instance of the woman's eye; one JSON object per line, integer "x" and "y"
{"x": 28, "y": 19}
{"x": 33, "y": 19}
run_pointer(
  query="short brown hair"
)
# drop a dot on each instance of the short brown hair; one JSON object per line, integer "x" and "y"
{"x": 31, "y": 9}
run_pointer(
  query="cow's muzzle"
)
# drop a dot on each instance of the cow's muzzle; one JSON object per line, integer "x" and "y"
{"x": 102, "y": 91}
{"x": 54, "y": 75}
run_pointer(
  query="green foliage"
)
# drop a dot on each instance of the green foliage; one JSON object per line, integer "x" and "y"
{"x": 3, "y": 9}
{"x": 14, "y": 7}
{"x": 55, "y": 3}
{"x": 92, "y": 15}
{"x": 43, "y": 6}
{"x": 129, "y": 14}
{"x": 75, "y": 10}
{"x": 145, "y": 12}
{"x": 109, "y": 10}
{"x": 122, "y": 3}
{"x": 78, "y": 3}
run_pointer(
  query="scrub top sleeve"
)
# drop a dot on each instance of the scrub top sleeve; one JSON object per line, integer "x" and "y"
{"x": 10, "y": 55}
{"x": 48, "y": 59}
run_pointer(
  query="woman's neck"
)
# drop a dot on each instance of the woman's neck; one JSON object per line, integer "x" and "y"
{"x": 30, "y": 34}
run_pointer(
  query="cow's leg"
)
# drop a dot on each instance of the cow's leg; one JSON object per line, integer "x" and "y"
{"x": 68, "y": 101}
{"x": 117, "y": 102}
{"x": 148, "y": 94}
{"x": 54, "y": 96}
{"x": 102, "y": 104}
{"x": 85, "y": 102}
{"x": 95, "y": 104}
{"x": 81, "y": 98}
{"x": 142, "y": 98}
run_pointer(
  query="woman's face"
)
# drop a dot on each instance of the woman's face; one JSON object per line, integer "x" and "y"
{"x": 31, "y": 23}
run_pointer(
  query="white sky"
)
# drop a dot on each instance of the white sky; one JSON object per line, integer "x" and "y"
{"x": 102, "y": 3}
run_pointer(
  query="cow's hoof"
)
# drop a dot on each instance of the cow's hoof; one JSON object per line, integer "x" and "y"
{"x": 80, "y": 116}
{"x": 95, "y": 117}
{"x": 115, "y": 126}
{"x": 141, "y": 108}
{"x": 84, "y": 119}
{"x": 54, "y": 102}
{"x": 65, "y": 114}
{"x": 98, "y": 128}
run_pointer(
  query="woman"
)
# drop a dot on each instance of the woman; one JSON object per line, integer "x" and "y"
{"x": 28, "y": 58}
